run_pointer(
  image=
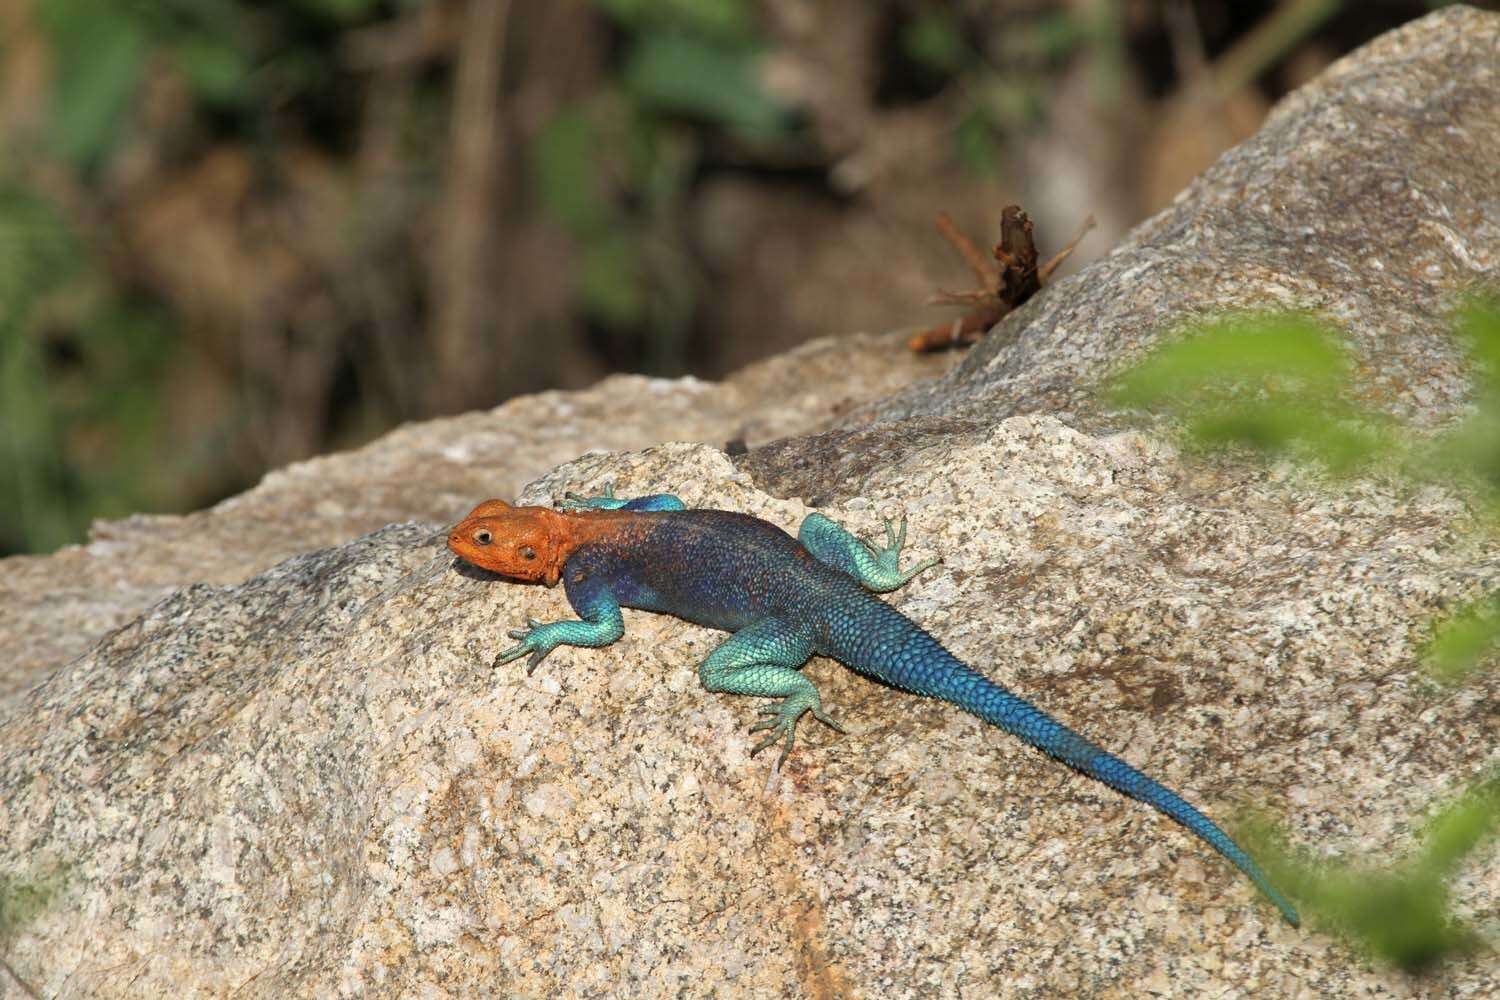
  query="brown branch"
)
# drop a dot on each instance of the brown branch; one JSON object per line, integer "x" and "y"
{"x": 942, "y": 298}
{"x": 1044, "y": 273}
{"x": 1005, "y": 285}
{"x": 984, "y": 271}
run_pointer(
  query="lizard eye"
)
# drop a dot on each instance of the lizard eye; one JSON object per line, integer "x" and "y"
{"x": 527, "y": 552}
{"x": 482, "y": 536}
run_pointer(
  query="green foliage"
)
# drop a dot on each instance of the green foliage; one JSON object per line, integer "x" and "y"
{"x": 611, "y": 281}
{"x": 100, "y": 50}
{"x": 727, "y": 21}
{"x": 340, "y": 10}
{"x": 677, "y": 74}
{"x": 1000, "y": 74}
{"x": 979, "y": 149}
{"x": 564, "y": 172}
{"x": 934, "y": 38}
{"x": 1461, "y": 642}
{"x": 216, "y": 69}
{"x": 1282, "y": 385}
{"x": 230, "y": 53}
{"x": 36, "y": 254}
{"x": 83, "y": 357}
{"x": 79, "y": 369}
{"x": 22, "y": 900}
{"x": 1271, "y": 382}
{"x": 609, "y": 204}
{"x": 1471, "y": 451}
{"x": 1058, "y": 34}
{"x": 1400, "y": 914}
{"x": 614, "y": 169}
{"x": 698, "y": 59}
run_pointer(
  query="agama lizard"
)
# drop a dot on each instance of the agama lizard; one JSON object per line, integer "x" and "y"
{"x": 785, "y": 600}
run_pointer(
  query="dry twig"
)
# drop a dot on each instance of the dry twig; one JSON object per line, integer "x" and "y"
{"x": 1003, "y": 286}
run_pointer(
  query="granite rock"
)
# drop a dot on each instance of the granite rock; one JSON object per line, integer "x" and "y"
{"x": 55, "y": 607}
{"x": 311, "y": 783}
{"x": 1369, "y": 196}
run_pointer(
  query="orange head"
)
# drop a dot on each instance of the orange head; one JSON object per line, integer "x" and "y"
{"x": 524, "y": 543}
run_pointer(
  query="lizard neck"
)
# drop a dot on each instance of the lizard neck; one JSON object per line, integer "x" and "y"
{"x": 569, "y": 531}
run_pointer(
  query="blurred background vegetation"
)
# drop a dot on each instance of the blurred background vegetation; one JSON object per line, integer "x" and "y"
{"x": 234, "y": 234}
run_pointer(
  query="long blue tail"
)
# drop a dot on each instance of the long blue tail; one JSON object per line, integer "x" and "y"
{"x": 891, "y": 647}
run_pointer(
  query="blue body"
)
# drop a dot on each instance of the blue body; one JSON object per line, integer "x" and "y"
{"x": 787, "y": 599}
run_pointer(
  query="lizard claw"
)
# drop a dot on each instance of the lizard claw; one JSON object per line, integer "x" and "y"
{"x": 781, "y": 721}
{"x": 534, "y": 640}
{"x": 520, "y": 633}
{"x": 893, "y": 540}
{"x": 888, "y": 558}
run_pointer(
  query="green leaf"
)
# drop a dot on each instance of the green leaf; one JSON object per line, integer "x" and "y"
{"x": 100, "y": 53}
{"x": 933, "y": 39}
{"x": 978, "y": 145}
{"x": 1400, "y": 913}
{"x": 677, "y": 74}
{"x": 217, "y": 71}
{"x": 1463, "y": 827}
{"x": 1460, "y": 643}
{"x": 563, "y": 166}
{"x": 721, "y": 20}
{"x": 1274, "y": 383}
{"x": 1235, "y": 355}
{"x": 22, "y": 900}
{"x": 342, "y": 11}
{"x": 610, "y": 282}
{"x": 1479, "y": 326}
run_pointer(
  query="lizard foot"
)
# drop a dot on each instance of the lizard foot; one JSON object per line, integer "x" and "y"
{"x": 535, "y": 640}
{"x": 781, "y": 720}
{"x": 888, "y": 557}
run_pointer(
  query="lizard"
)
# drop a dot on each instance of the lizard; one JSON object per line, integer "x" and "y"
{"x": 784, "y": 599}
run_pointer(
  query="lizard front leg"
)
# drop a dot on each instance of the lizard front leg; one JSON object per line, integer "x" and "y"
{"x": 600, "y": 622}
{"x": 876, "y": 569}
{"x": 608, "y": 501}
{"x": 763, "y": 659}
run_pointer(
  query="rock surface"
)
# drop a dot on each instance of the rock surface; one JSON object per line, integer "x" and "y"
{"x": 54, "y": 608}
{"x": 310, "y": 783}
{"x": 1368, "y": 196}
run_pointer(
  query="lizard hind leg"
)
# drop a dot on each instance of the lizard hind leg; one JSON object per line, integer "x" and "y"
{"x": 877, "y": 569}
{"x": 763, "y": 659}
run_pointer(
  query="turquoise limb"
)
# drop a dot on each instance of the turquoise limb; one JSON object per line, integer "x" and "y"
{"x": 608, "y": 501}
{"x": 762, "y": 659}
{"x": 656, "y": 501}
{"x": 605, "y": 501}
{"x": 876, "y": 569}
{"x": 600, "y": 625}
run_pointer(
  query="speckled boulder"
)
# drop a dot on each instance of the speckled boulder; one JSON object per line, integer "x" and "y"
{"x": 310, "y": 783}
